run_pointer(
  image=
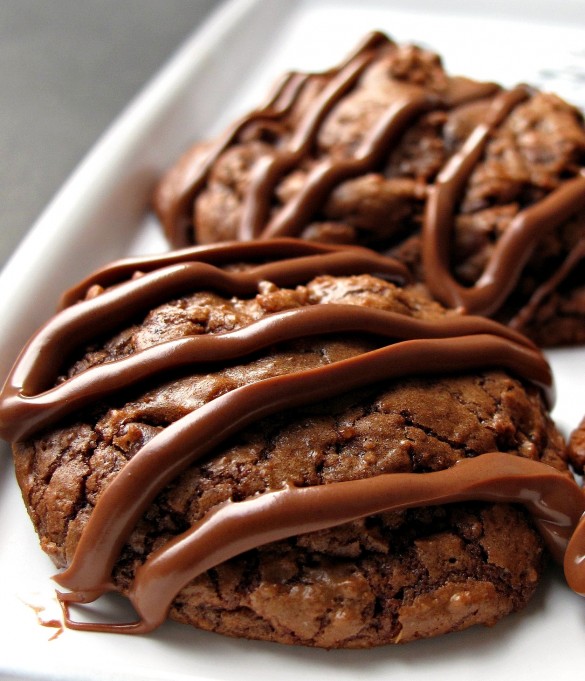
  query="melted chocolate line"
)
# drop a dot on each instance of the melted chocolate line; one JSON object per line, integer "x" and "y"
{"x": 182, "y": 443}
{"x": 189, "y": 178}
{"x": 177, "y": 194}
{"x": 269, "y": 169}
{"x": 328, "y": 173}
{"x": 24, "y": 414}
{"x": 228, "y": 252}
{"x": 518, "y": 242}
{"x": 514, "y": 248}
{"x": 35, "y": 370}
{"x": 523, "y": 317}
{"x": 445, "y": 193}
{"x": 232, "y": 528}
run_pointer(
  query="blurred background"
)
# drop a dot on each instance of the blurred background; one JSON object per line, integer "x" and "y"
{"x": 68, "y": 69}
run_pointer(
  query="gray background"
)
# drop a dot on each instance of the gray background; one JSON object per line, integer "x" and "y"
{"x": 67, "y": 68}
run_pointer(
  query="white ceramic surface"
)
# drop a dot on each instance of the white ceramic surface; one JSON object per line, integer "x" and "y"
{"x": 101, "y": 213}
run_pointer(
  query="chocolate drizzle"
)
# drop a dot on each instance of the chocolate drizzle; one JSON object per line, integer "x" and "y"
{"x": 515, "y": 246}
{"x": 188, "y": 179}
{"x": 31, "y": 401}
{"x": 175, "y": 196}
{"x": 227, "y": 253}
{"x": 291, "y": 219}
{"x": 512, "y": 251}
{"x": 555, "y": 502}
{"x": 521, "y": 320}
{"x": 260, "y": 219}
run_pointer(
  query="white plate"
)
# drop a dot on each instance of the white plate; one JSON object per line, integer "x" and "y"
{"x": 100, "y": 214}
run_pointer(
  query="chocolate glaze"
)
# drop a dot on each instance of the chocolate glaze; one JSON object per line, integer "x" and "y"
{"x": 226, "y": 253}
{"x": 31, "y": 401}
{"x": 520, "y": 320}
{"x": 291, "y": 219}
{"x": 187, "y": 179}
{"x": 180, "y": 188}
{"x": 196, "y": 434}
{"x": 176, "y": 194}
{"x": 554, "y": 500}
{"x": 515, "y": 246}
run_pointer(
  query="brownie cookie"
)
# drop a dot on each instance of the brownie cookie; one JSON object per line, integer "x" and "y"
{"x": 481, "y": 191}
{"x": 298, "y": 449}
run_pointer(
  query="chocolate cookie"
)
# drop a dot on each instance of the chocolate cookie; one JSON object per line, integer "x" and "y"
{"x": 293, "y": 448}
{"x": 480, "y": 190}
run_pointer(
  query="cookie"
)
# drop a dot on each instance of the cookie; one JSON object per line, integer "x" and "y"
{"x": 480, "y": 190}
{"x": 297, "y": 448}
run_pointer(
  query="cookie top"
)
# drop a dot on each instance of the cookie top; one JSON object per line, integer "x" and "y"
{"x": 480, "y": 190}
{"x": 202, "y": 411}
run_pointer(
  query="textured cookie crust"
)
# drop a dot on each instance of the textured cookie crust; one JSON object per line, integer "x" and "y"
{"x": 538, "y": 146}
{"x": 389, "y": 578}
